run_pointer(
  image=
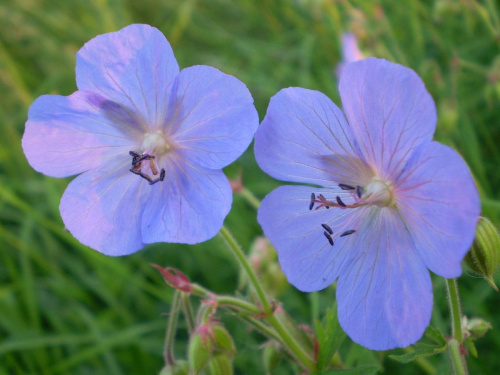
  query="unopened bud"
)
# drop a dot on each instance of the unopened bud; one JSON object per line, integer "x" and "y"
{"x": 207, "y": 341}
{"x": 264, "y": 260}
{"x": 477, "y": 328}
{"x": 175, "y": 278}
{"x": 180, "y": 367}
{"x": 484, "y": 256}
{"x": 220, "y": 364}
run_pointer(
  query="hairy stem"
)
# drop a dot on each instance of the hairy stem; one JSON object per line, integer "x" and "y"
{"x": 457, "y": 359}
{"x": 286, "y": 338}
{"x": 168, "y": 348}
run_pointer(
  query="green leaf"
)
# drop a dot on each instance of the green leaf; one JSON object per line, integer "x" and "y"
{"x": 435, "y": 335}
{"x": 469, "y": 344}
{"x": 330, "y": 337}
{"x": 432, "y": 343}
{"x": 418, "y": 353}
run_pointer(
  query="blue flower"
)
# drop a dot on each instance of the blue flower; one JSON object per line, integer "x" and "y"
{"x": 147, "y": 140}
{"x": 385, "y": 203}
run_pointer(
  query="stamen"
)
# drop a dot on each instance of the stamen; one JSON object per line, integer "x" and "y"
{"x": 311, "y": 205}
{"x": 152, "y": 165}
{"x": 323, "y": 202}
{"x": 359, "y": 191}
{"x": 137, "y": 158}
{"x": 162, "y": 176}
{"x": 328, "y": 237}
{"x": 327, "y": 227}
{"x": 137, "y": 163}
{"x": 143, "y": 175}
{"x": 348, "y": 232}
{"x": 339, "y": 201}
{"x": 346, "y": 187}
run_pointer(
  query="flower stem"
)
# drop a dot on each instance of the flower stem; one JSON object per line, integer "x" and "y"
{"x": 168, "y": 348}
{"x": 456, "y": 313}
{"x": 457, "y": 359}
{"x": 249, "y": 197}
{"x": 238, "y": 304}
{"x": 188, "y": 312}
{"x": 286, "y": 337}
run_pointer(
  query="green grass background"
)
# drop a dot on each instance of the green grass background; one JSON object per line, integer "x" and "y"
{"x": 66, "y": 309}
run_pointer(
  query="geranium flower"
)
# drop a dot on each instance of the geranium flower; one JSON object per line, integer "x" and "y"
{"x": 148, "y": 142}
{"x": 389, "y": 203}
{"x": 349, "y": 50}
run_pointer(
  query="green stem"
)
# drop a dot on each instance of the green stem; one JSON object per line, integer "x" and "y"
{"x": 238, "y": 252}
{"x": 238, "y": 304}
{"x": 249, "y": 197}
{"x": 188, "y": 312}
{"x": 456, "y": 314}
{"x": 458, "y": 362}
{"x": 263, "y": 328}
{"x": 286, "y": 337}
{"x": 457, "y": 359}
{"x": 168, "y": 349}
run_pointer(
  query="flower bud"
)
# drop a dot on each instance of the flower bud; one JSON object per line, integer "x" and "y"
{"x": 264, "y": 261}
{"x": 477, "y": 328}
{"x": 220, "y": 364}
{"x": 484, "y": 256}
{"x": 180, "y": 367}
{"x": 175, "y": 278}
{"x": 208, "y": 341}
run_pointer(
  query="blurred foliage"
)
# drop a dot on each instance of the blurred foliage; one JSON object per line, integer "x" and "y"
{"x": 65, "y": 308}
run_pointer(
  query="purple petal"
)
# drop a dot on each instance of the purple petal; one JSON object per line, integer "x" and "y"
{"x": 305, "y": 138}
{"x": 134, "y": 67}
{"x": 66, "y": 135}
{"x": 385, "y": 293}
{"x": 305, "y": 254}
{"x": 212, "y": 119}
{"x": 189, "y": 206}
{"x": 350, "y": 49}
{"x": 389, "y": 110}
{"x": 104, "y": 210}
{"x": 440, "y": 204}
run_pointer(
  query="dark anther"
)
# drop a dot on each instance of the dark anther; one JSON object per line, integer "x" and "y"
{"x": 348, "y": 232}
{"x": 339, "y": 201}
{"x": 162, "y": 176}
{"x": 136, "y": 167}
{"x": 323, "y": 200}
{"x": 346, "y": 187}
{"x": 328, "y": 237}
{"x": 359, "y": 191}
{"x": 327, "y": 228}
{"x": 137, "y": 158}
{"x": 311, "y": 205}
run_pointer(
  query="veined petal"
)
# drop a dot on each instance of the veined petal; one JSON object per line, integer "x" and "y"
{"x": 212, "y": 119}
{"x": 66, "y": 135}
{"x": 305, "y": 138}
{"x": 189, "y": 206}
{"x": 135, "y": 67}
{"x": 306, "y": 256}
{"x": 439, "y": 203}
{"x": 389, "y": 110}
{"x": 104, "y": 210}
{"x": 385, "y": 293}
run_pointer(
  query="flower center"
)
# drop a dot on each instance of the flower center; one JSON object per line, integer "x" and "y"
{"x": 155, "y": 143}
{"x": 378, "y": 192}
